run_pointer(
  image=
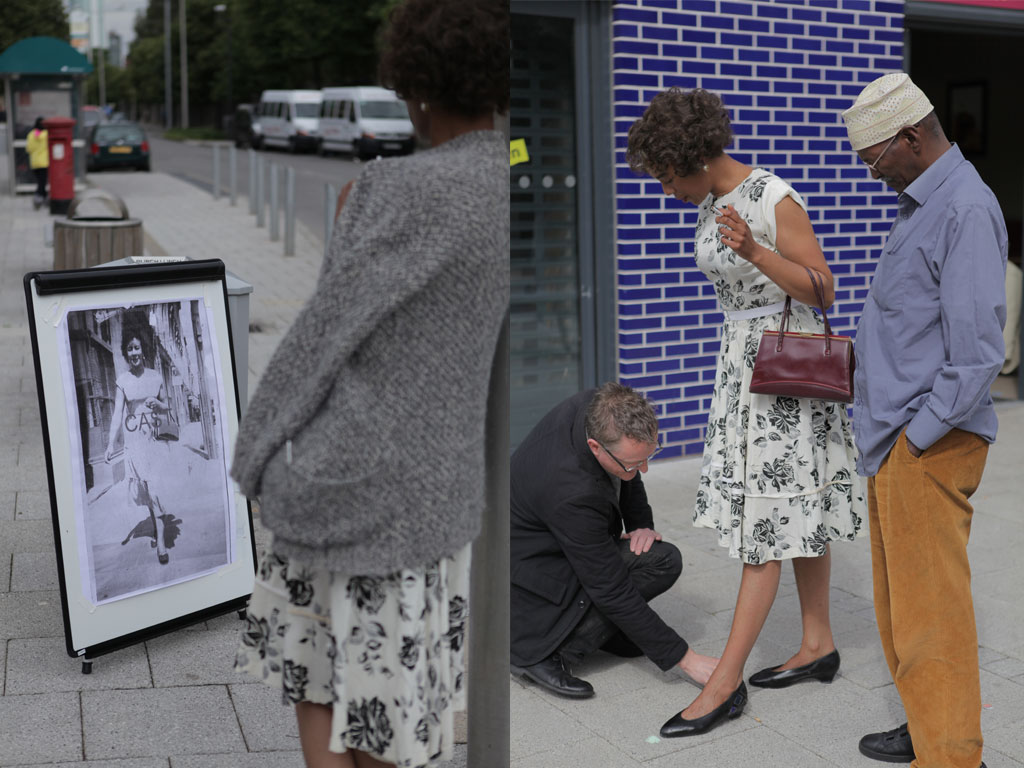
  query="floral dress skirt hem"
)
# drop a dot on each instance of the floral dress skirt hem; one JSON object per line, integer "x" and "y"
{"x": 387, "y": 653}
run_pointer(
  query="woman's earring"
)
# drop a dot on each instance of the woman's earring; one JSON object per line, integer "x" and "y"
{"x": 705, "y": 167}
{"x": 424, "y": 107}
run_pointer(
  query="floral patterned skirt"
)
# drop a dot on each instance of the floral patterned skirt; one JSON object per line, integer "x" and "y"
{"x": 779, "y": 474}
{"x": 386, "y": 652}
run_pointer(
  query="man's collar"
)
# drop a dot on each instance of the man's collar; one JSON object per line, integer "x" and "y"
{"x": 921, "y": 188}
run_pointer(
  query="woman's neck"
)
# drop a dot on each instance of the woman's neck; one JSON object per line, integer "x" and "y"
{"x": 445, "y": 126}
{"x": 726, "y": 174}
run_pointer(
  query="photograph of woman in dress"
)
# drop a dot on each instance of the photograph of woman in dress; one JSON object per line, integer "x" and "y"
{"x": 153, "y": 490}
{"x": 777, "y": 481}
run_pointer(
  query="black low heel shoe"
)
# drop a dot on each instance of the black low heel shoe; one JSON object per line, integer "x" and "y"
{"x": 823, "y": 669}
{"x": 730, "y": 708}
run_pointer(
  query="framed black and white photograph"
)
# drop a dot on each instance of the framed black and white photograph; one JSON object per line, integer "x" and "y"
{"x": 140, "y": 409}
{"x": 967, "y": 107}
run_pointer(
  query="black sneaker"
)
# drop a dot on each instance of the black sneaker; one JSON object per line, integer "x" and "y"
{"x": 890, "y": 747}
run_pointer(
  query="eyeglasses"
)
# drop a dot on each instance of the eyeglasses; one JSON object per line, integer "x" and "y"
{"x": 635, "y": 467}
{"x": 874, "y": 166}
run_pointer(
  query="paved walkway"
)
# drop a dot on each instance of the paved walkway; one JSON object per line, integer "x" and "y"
{"x": 810, "y": 725}
{"x": 172, "y": 702}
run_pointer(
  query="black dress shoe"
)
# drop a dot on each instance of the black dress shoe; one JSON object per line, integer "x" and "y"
{"x": 728, "y": 709}
{"x": 890, "y": 747}
{"x": 823, "y": 669}
{"x": 556, "y": 677}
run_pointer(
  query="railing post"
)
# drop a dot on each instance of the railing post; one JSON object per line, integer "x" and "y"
{"x": 261, "y": 195}
{"x": 275, "y": 217}
{"x": 330, "y": 202}
{"x": 233, "y": 173}
{"x": 216, "y": 171}
{"x": 289, "y": 211}
{"x": 252, "y": 181}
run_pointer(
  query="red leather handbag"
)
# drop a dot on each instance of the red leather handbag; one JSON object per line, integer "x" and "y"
{"x": 814, "y": 365}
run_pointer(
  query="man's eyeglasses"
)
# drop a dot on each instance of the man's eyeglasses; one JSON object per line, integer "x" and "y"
{"x": 635, "y": 467}
{"x": 874, "y": 165}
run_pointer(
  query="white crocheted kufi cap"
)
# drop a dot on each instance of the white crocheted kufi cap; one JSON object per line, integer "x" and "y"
{"x": 884, "y": 107}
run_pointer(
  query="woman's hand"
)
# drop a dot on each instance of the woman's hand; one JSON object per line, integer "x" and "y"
{"x": 735, "y": 232}
{"x": 153, "y": 403}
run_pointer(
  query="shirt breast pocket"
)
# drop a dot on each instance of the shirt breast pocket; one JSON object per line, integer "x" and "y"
{"x": 889, "y": 285}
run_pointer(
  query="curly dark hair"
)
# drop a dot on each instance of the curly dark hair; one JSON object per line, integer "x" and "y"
{"x": 680, "y": 129}
{"x": 618, "y": 411}
{"x": 452, "y": 53}
{"x": 135, "y": 325}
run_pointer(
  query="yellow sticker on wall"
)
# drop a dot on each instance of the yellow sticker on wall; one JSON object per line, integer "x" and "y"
{"x": 517, "y": 152}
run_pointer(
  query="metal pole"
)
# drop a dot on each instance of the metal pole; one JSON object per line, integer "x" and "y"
{"x": 330, "y": 202}
{"x": 183, "y": 45}
{"x": 289, "y": 211}
{"x": 260, "y": 193}
{"x": 216, "y": 172}
{"x": 233, "y": 173}
{"x": 168, "y": 106}
{"x": 252, "y": 181}
{"x": 275, "y": 217}
{"x": 487, "y": 683}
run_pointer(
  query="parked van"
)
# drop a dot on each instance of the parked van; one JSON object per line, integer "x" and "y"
{"x": 289, "y": 119}
{"x": 366, "y": 121}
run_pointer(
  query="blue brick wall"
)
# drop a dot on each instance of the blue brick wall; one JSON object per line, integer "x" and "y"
{"x": 786, "y": 70}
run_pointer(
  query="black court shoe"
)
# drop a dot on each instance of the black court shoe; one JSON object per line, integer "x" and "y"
{"x": 727, "y": 710}
{"x": 823, "y": 669}
{"x": 553, "y": 674}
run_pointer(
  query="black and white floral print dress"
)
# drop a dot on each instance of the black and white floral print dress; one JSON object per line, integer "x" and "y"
{"x": 778, "y": 477}
{"x": 386, "y": 652}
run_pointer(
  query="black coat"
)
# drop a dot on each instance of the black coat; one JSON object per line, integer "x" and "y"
{"x": 565, "y": 526}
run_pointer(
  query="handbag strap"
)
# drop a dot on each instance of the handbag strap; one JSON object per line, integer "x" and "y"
{"x": 819, "y": 292}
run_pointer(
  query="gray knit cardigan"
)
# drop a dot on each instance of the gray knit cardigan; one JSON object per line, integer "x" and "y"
{"x": 364, "y": 439}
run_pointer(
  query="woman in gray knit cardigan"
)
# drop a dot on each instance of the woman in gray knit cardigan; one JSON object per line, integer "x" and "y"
{"x": 364, "y": 438}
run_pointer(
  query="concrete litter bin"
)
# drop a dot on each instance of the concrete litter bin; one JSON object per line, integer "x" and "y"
{"x": 98, "y": 229}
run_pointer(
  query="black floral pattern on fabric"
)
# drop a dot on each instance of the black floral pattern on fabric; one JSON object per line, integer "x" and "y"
{"x": 295, "y": 678}
{"x": 775, "y": 469}
{"x": 368, "y": 592}
{"x": 369, "y": 727}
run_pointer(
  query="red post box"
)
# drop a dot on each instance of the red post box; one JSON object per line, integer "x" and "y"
{"x": 62, "y": 162}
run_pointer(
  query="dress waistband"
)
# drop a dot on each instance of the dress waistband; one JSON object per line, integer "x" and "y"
{"x": 748, "y": 314}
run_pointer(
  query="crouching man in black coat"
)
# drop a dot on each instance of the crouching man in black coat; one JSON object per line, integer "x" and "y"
{"x": 579, "y": 583}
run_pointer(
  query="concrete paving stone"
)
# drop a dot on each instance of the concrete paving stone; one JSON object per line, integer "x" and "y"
{"x": 193, "y": 658}
{"x": 241, "y": 760}
{"x": 1000, "y": 623}
{"x": 755, "y": 746}
{"x": 42, "y": 665}
{"x": 1008, "y": 667}
{"x": 23, "y": 719}
{"x": 10, "y": 383}
{"x": 988, "y": 655}
{"x": 827, "y": 719}
{"x": 18, "y": 477}
{"x": 33, "y": 505}
{"x": 3, "y": 666}
{"x": 26, "y": 536}
{"x": 267, "y": 724}
{"x": 30, "y": 614}
{"x": 1002, "y": 701}
{"x": 871, "y": 675}
{"x": 160, "y": 722}
{"x": 34, "y": 571}
{"x": 599, "y": 752}
{"x": 858, "y": 647}
{"x": 1005, "y": 741}
{"x": 536, "y": 726}
{"x": 145, "y": 762}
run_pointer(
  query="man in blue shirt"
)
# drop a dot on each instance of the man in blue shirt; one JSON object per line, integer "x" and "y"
{"x": 929, "y": 345}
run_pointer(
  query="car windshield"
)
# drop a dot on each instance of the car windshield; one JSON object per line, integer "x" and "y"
{"x": 393, "y": 110}
{"x": 307, "y": 110}
{"x": 127, "y": 133}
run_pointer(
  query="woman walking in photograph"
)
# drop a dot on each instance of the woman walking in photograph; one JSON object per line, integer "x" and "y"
{"x": 364, "y": 440}
{"x": 777, "y": 481}
{"x": 141, "y": 411}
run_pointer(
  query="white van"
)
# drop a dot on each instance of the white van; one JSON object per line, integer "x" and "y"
{"x": 364, "y": 120}
{"x": 289, "y": 119}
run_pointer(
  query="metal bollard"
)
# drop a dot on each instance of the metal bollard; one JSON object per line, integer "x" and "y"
{"x": 330, "y": 202}
{"x": 275, "y": 209}
{"x": 216, "y": 172}
{"x": 252, "y": 181}
{"x": 289, "y": 212}
{"x": 233, "y": 173}
{"x": 260, "y": 193}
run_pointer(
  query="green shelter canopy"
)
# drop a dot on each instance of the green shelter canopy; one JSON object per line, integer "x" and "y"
{"x": 43, "y": 56}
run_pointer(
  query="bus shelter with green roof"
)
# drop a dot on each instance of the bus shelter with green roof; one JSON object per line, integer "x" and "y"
{"x": 43, "y": 77}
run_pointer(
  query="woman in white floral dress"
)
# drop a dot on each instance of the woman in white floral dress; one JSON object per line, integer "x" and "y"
{"x": 777, "y": 481}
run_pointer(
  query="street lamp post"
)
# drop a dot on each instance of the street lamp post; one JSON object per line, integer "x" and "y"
{"x": 222, "y": 8}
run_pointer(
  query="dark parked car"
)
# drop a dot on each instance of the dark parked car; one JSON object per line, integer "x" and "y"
{"x": 116, "y": 145}
{"x": 245, "y": 129}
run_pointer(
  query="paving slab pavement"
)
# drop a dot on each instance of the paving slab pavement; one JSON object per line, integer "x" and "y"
{"x": 810, "y": 725}
{"x": 174, "y": 701}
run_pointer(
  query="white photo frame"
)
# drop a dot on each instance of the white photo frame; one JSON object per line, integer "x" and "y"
{"x": 139, "y": 409}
